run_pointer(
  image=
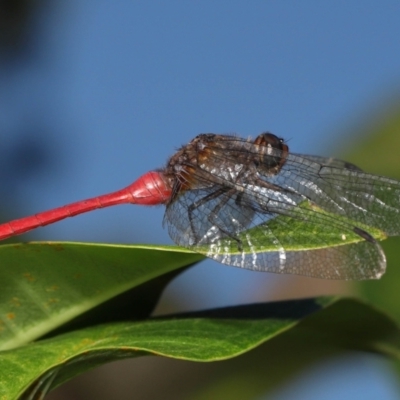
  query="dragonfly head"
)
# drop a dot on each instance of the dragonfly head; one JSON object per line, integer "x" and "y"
{"x": 272, "y": 152}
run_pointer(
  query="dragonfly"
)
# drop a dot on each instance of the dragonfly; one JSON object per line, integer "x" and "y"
{"x": 253, "y": 204}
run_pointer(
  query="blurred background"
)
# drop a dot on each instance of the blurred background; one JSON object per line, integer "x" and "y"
{"x": 95, "y": 93}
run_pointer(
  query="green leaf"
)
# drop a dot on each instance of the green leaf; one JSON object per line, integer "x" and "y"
{"x": 203, "y": 336}
{"x": 346, "y": 325}
{"x": 45, "y": 285}
{"x": 294, "y": 234}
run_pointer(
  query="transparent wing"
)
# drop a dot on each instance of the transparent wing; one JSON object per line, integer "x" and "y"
{"x": 282, "y": 239}
{"x": 316, "y": 216}
{"x": 330, "y": 162}
{"x": 367, "y": 199}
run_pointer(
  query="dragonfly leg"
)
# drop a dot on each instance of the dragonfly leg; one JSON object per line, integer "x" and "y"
{"x": 194, "y": 206}
{"x": 213, "y": 215}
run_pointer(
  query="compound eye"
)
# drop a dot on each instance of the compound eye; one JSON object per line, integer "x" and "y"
{"x": 271, "y": 160}
{"x": 270, "y": 140}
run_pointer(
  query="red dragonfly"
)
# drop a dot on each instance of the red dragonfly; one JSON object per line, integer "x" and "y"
{"x": 249, "y": 203}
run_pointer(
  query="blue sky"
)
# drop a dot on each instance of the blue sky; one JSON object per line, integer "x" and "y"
{"x": 110, "y": 89}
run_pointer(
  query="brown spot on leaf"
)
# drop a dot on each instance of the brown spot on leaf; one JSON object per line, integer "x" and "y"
{"x": 29, "y": 277}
